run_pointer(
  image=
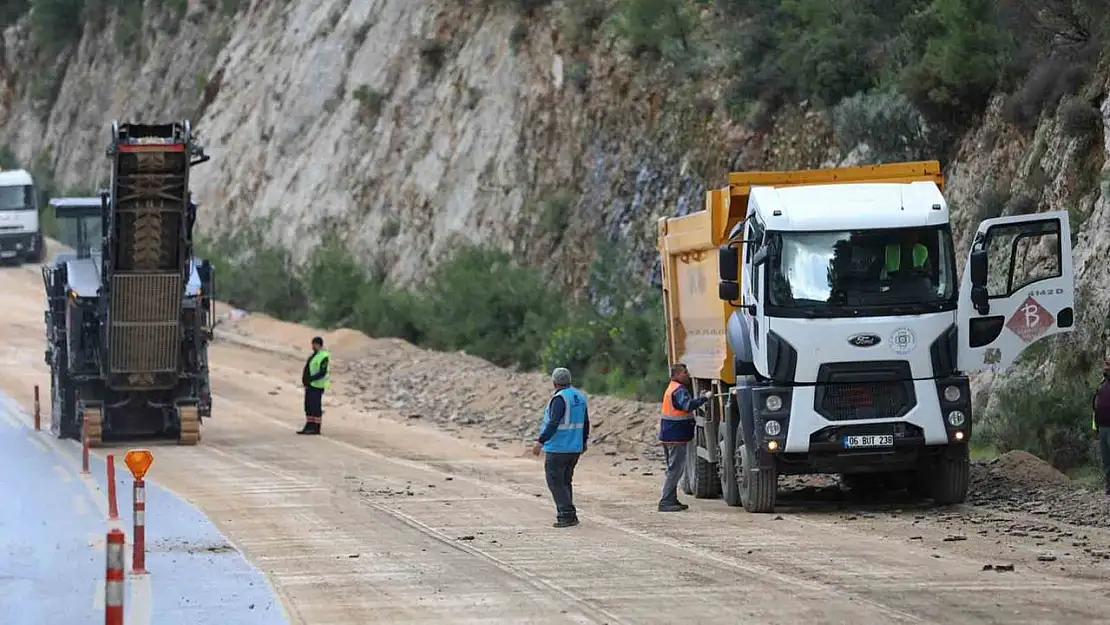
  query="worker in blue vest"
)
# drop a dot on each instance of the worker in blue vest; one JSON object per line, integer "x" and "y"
{"x": 316, "y": 379}
{"x": 563, "y": 437}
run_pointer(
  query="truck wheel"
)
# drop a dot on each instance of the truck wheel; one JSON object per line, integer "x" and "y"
{"x": 726, "y": 468}
{"x": 951, "y": 474}
{"x": 758, "y": 489}
{"x": 700, "y": 477}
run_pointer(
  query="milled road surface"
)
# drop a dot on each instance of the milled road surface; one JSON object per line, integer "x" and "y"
{"x": 387, "y": 520}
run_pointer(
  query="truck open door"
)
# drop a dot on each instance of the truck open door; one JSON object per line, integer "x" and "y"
{"x": 1018, "y": 287}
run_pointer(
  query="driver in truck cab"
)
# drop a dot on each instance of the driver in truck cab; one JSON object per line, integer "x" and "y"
{"x": 907, "y": 253}
{"x": 676, "y": 429}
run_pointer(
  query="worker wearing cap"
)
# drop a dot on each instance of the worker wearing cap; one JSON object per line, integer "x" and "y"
{"x": 1101, "y": 423}
{"x": 563, "y": 438}
{"x": 676, "y": 430}
{"x": 316, "y": 379}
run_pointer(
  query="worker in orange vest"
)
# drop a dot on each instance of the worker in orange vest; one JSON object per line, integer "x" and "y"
{"x": 676, "y": 429}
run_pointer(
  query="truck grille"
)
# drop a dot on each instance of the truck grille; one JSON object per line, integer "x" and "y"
{"x": 865, "y": 390}
{"x": 144, "y": 321}
{"x": 877, "y": 400}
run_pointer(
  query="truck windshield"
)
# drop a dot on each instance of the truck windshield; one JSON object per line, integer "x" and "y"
{"x": 861, "y": 272}
{"x": 17, "y": 198}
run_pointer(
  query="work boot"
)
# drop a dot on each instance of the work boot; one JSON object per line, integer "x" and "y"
{"x": 307, "y": 429}
{"x": 565, "y": 522}
{"x": 673, "y": 507}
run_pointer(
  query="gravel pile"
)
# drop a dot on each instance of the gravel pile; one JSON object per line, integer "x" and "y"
{"x": 1018, "y": 482}
{"x": 461, "y": 392}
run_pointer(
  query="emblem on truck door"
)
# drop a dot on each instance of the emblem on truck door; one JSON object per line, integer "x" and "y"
{"x": 1030, "y": 320}
{"x": 864, "y": 340}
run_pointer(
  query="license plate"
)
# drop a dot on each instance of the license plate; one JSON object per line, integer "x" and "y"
{"x": 7, "y": 254}
{"x": 869, "y": 440}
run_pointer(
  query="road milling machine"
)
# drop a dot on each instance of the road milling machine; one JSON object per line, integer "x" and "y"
{"x": 130, "y": 310}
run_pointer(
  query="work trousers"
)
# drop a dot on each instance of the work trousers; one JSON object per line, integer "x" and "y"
{"x": 313, "y": 404}
{"x": 675, "y": 455}
{"x": 559, "y": 468}
{"x": 1104, "y": 453}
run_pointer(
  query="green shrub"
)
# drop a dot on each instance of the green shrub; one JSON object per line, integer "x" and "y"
{"x": 1048, "y": 418}
{"x": 1047, "y": 83}
{"x": 253, "y": 274}
{"x": 993, "y": 200}
{"x": 55, "y": 24}
{"x": 370, "y": 103}
{"x": 962, "y": 56}
{"x": 1080, "y": 120}
{"x": 888, "y": 123}
{"x": 652, "y": 27}
{"x": 1022, "y": 204}
{"x": 12, "y": 10}
{"x": 526, "y": 6}
{"x": 478, "y": 300}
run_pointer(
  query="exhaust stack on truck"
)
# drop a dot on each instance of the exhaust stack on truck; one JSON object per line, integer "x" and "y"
{"x": 825, "y": 310}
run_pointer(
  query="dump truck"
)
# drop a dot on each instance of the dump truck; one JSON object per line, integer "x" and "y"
{"x": 824, "y": 311}
{"x": 21, "y": 239}
{"x": 130, "y": 310}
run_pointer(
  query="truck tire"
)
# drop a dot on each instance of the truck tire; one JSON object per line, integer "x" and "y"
{"x": 758, "y": 489}
{"x": 950, "y": 476}
{"x": 700, "y": 477}
{"x": 726, "y": 468}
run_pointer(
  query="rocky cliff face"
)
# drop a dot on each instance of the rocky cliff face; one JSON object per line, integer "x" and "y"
{"x": 411, "y": 124}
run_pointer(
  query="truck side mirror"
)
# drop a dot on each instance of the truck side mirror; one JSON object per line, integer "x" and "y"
{"x": 728, "y": 263}
{"x": 979, "y": 268}
{"x": 979, "y": 297}
{"x": 728, "y": 290}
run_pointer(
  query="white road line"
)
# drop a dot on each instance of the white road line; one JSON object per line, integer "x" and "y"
{"x": 98, "y": 496}
{"x": 98, "y": 596}
{"x": 142, "y": 601}
{"x": 62, "y": 474}
{"x": 37, "y": 443}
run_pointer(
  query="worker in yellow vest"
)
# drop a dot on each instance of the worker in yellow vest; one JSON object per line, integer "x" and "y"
{"x": 316, "y": 379}
{"x": 907, "y": 254}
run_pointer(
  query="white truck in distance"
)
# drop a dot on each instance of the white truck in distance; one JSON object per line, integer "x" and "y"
{"x": 850, "y": 334}
{"x": 21, "y": 237}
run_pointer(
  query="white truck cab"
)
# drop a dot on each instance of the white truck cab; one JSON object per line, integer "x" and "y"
{"x": 854, "y": 334}
{"x": 21, "y": 238}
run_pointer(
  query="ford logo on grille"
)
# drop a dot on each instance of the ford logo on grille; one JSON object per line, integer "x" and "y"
{"x": 864, "y": 340}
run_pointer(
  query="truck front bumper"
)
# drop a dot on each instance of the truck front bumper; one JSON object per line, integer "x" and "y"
{"x": 18, "y": 245}
{"x": 790, "y": 431}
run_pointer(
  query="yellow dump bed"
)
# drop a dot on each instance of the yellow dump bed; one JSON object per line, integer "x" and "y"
{"x": 696, "y": 319}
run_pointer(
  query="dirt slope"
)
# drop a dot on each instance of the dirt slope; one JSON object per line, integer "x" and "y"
{"x": 394, "y": 519}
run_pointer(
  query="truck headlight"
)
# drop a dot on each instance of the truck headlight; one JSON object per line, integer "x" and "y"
{"x": 772, "y": 428}
{"x": 952, "y": 393}
{"x": 773, "y": 403}
{"x": 956, "y": 418}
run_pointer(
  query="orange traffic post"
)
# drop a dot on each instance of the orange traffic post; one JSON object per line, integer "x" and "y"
{"x": 84, "y": 447}
{"x": 139, "y": 461}
{"x": 113, "y": 508}
{"x": 38, "y": 415}
{"x": 113, "y": 583}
